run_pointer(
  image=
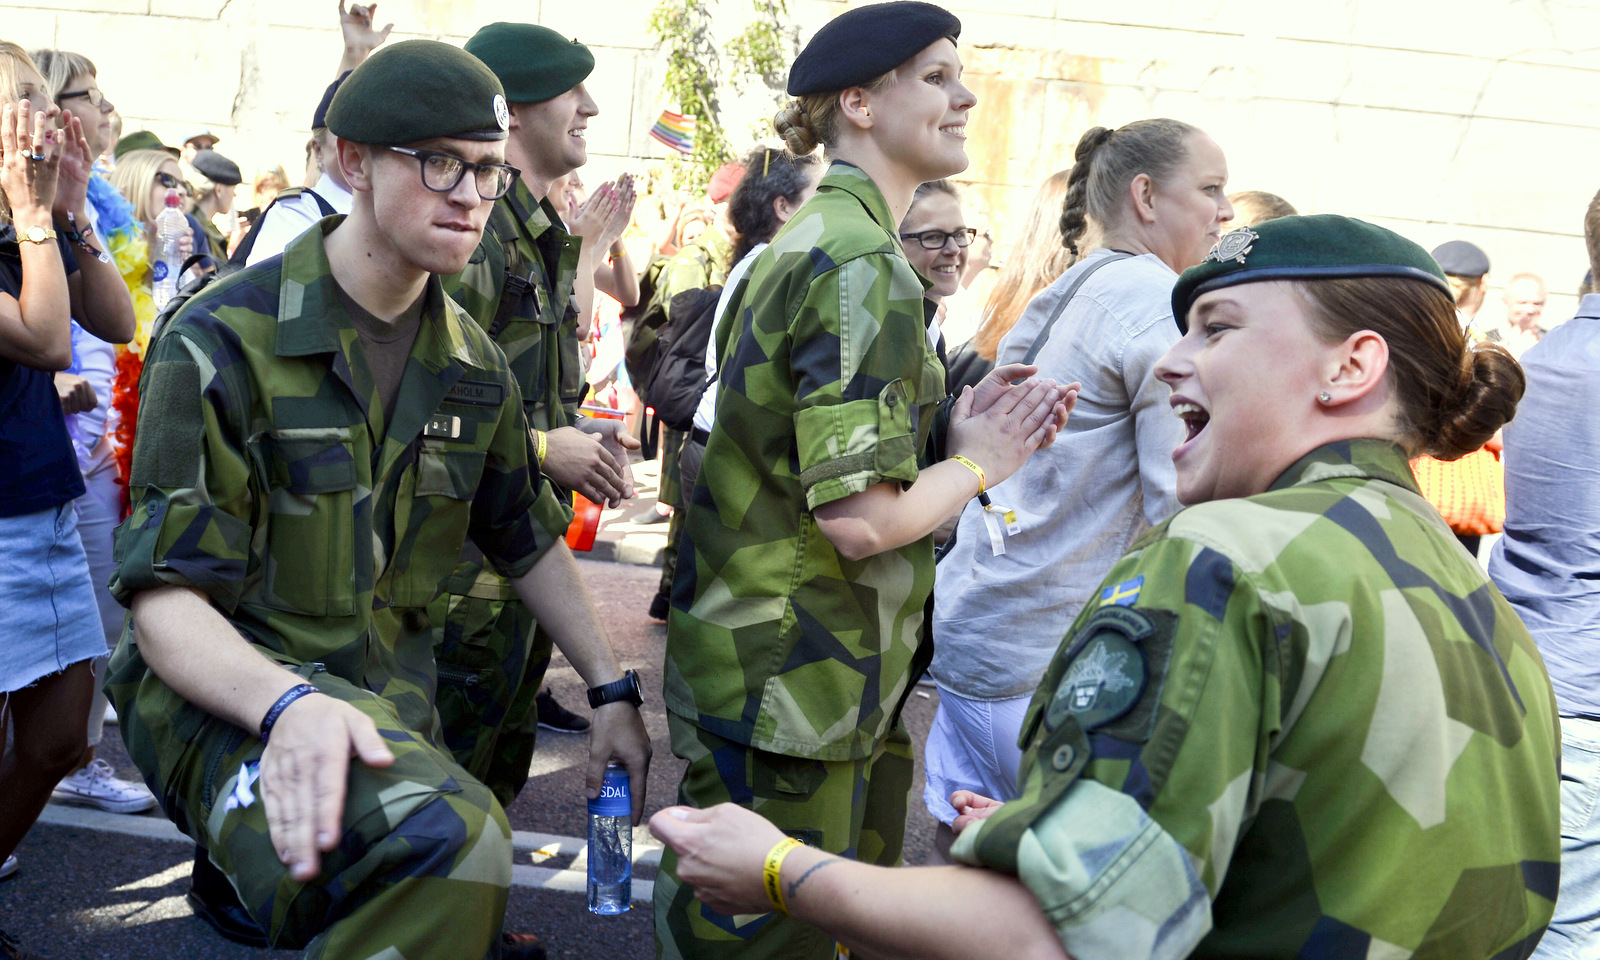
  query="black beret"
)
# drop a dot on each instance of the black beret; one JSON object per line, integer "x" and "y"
{"x": 533, "y": 63}
{"x": 416, "y": 90}
{"x": 863, "y": 44}
{"x": 1458, "y": 258}
{"x": 217, "y": 168}
{"x": 319, "y": 118}
{"x": 1325, "y": 247}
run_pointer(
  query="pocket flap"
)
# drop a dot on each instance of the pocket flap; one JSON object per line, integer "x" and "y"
{"x": 311, "y": 460}
{"x": 443, "y": 472}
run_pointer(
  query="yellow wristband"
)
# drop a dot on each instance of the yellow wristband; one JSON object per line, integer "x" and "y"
{"x": 983, "y": 481}
{"x": 543, "y": 444}
{"x": 773, "y": 867}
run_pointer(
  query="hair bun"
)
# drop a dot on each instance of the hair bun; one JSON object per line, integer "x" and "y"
{"x": 1090, "y": 142}
{"x": 794, "y": 127}
{"x": 1486, "y": 399}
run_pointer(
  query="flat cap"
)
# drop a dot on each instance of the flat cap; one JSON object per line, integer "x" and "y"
{"x": 1458, "y": 258}
{"x": 1324, "y": 247}
{"x": 140, "y": 140}
{"x": 533, "y": 63}
{"x": 416, "y": 90}
{"x": 319, "y": 118}
{"x": 217, "y": 168}
{"x": 867, "y": 42}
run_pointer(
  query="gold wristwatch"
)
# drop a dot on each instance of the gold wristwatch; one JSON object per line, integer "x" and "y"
{"x": 36, "y": 234}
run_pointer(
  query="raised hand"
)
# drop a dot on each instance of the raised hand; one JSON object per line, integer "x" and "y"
{"x": 77, "y": 163}
{"x": 30, "y": 159}
{"x": 360, "y": 38}
{"x": 589, "y": 221}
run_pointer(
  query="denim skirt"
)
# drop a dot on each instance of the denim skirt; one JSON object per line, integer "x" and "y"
{"x": 48, "y": 617}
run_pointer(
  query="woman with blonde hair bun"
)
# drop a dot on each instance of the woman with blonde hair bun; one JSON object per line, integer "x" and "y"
{"x": 797, "y": 631}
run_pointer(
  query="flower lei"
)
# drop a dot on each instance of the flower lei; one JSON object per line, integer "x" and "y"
{"x": 124, "y": 237}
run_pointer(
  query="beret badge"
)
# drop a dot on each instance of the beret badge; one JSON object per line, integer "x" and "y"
{"x": 1233, "y": 246}
{"x": 502, "y": 115}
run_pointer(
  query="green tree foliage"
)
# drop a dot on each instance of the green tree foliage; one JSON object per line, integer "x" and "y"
{"x": 694, "y": 71}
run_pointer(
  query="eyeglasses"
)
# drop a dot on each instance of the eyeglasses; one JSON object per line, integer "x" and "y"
{"x": 169, "y": 181}
{"x": 93, "y": 95}
{"x": 442, "y": 171}
{"x": 935, "y": 239}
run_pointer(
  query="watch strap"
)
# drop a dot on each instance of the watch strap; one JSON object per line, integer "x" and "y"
{"x": 625, "y": 689}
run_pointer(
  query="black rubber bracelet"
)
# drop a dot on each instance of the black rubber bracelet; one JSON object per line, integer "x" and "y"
{"x": 290, "y": 696}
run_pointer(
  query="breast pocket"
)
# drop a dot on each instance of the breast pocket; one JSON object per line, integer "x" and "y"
{"x": 311, "y": 484}
{"x": 447, "y": 476}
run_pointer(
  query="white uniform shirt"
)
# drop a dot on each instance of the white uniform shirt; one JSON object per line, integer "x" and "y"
{"x": 294, "y": 216}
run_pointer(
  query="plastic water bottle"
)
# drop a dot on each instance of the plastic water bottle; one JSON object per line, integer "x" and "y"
{"x": 171, "y": 227}
{"x": 611, "y": 845}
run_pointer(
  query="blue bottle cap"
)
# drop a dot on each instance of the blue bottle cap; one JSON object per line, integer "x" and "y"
{"x": 615, "y": 799}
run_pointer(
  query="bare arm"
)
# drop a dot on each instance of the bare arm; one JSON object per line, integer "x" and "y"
{"x": 35, "y": 328}
{"x": 919, "y": 913}
{"x": 618, "y": 279}
{"x": 1013, "y": 423}
{"x": 556, "y": 596}
{"x": 304, "y": 768}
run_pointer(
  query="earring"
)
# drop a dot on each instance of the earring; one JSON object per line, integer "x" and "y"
{"x": 1325, "y": 397}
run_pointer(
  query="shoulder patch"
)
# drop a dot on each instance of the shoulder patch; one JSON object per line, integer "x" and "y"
{"x": 1106, "y": 674}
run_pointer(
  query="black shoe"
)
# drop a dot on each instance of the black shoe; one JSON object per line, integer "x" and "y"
{"x": 659, "y": 605}
{"x": 10, "y": 949}
{"x": 553, "y": 716}
{"x": 213, "y": 900}
{"x": 521, "y": 946}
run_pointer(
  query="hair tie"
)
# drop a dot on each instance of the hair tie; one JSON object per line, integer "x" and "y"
{"x": 766, "y": 161}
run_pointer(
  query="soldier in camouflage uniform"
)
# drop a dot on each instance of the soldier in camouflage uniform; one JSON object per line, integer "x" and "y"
{"x": 797, "y": 631}
{"x": 519, "y": 286}
{"x": 1300, "y": 721}
{"x": 301, "y": 490}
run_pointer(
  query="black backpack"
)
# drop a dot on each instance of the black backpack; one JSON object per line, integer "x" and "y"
{"x": 678, "y": 379}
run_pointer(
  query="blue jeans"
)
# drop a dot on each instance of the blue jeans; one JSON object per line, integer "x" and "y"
{"x": 1575, "y": 931}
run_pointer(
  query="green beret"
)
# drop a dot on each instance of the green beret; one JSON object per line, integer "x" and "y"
{"x": 1325, "y": 247}
{"x": 863, "y": 44}
{"x": 140, "y": 140}
{"x": 534, "y": 63}
{"x": 417, "y": 90}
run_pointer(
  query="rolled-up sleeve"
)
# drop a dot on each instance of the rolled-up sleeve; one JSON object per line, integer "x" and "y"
{"x": 857, "y": 350}
{"x": 190, "y": 481}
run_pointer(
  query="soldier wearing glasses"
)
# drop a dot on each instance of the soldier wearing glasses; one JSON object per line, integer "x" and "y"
{"x": 319, "y": 436}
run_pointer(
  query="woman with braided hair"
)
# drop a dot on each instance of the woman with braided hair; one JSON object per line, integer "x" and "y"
{"x": 1152, "y": 193}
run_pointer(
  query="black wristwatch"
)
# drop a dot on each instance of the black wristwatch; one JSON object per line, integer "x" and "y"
{"x": 625, "y": 689}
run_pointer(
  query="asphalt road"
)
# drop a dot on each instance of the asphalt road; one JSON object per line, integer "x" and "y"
{"x": 91, "y": 889}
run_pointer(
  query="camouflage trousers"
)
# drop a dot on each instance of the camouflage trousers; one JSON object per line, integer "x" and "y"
{"x": 491, "y": 659}
{"x": 422, "y": 868}
{"x": 673, "y": 495}
{"x": 855, "y": 808}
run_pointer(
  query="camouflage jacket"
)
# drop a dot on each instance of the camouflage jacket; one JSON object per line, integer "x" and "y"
{"x": 264, "y": 477}
{"x": 531, "y": 308}
{"x": 828, "y": 385}
{"x": 703, "y": 261}
{"x": 1299, "y": 724}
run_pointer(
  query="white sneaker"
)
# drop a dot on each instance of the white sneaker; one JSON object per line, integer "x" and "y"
{"x": 9, "y": 868}
{"x": 111, "y": 715}
{"x": 97, "y": 786}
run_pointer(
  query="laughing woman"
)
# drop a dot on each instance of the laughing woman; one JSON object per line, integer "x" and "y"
{"x": 797, "y": 631}
{"x": 1300, "y": 722}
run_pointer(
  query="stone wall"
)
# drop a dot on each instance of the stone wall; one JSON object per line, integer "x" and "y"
{"x": 1469, "y": 119}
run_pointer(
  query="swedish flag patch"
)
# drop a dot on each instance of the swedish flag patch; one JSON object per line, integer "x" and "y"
{"x": 1123, "y": 594}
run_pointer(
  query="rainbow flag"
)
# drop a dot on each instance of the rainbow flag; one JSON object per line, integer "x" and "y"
{"x": 675, "y": 130}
